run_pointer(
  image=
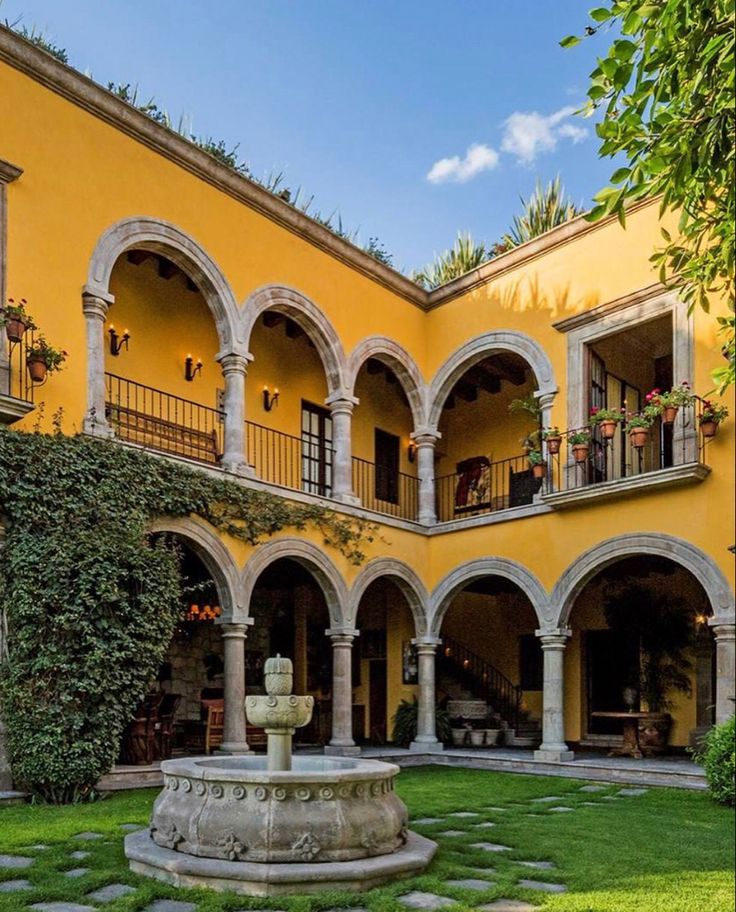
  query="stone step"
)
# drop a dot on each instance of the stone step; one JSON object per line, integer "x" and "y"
{"x": 8, "y": 798}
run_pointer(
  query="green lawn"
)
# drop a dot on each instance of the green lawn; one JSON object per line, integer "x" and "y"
{"x": 664, "y": 851}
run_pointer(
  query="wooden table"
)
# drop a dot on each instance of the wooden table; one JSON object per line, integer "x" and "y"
{"x": 630, "y": 747}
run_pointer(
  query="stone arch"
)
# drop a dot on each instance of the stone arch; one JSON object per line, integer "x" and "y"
{"x": 158, "y": 236}
{"x": 404, "y": 577}
{"x": 310, "y": 557}
{"x": 210, "y": 549}
{"x": 608, "y": 552}
{"x": 298, "y": 307}
{"x": 473, "y": 570}
{"x": 401, "y": 363}
{"x": 481, "y": 347}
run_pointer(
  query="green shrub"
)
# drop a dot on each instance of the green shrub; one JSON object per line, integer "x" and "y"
{"x": 718, "y": 756}
{"x": 405, "y": 723}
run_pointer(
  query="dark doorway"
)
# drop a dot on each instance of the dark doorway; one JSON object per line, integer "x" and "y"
{"x": 387, "y": 466}
{"x": 378, "y": 691}
{"x": 611, "y": 661}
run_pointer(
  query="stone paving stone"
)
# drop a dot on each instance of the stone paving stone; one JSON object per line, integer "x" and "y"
{"x": 590, "y": 804}
{"x": 463, "y": 814}
{"x": 488, "y": 823}
{"x": 110, "y": 892}
{"x": 79, "y": 855}
{"x": 170, "y": 905}
{"x": 344, "y": 909}
{"x": 632, "y": 791}
{"x": 490, "y": 847}
{"x": 131, "y": 827}
{"x": 593, "y": 788}
{"x": 508, "y": 905}
{"x": 76, "y": 872}
{"x": 610, "y": 798}
{"x": 15, "y": 861}
{"x": 15, "y": 886}
{"x": 61, "y": 907}
{"x": 532, "y": 815}
{"x": 425, "y": 821}
{"x": 39, "y": 847}
{"x": 543, "y": 886}
{"x": 539, "y": 865}
{"x": 547, "y": 798}
{"x": 418, "y": 900}
{"x": 87, "y": 835}
{"x": 482, "y": 870}
{"x": 495, "y": 809}
{"x": 470, "y": 883}
{"x": 452, "y": 833}
{"x": 562, "y": 809}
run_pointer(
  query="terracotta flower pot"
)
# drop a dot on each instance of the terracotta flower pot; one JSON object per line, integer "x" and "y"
{"x": 37, "y": 369}
{"x": 15, "y": 328}
{"x": 580, "y": 451}
{"x": 654, "y": 731}
{"x": 639, "y": 436}
{"x": 669, "y": 413}
{"x": 539, "y": 470}
{"x": 608, "y": 429}
{"x": 709, "y": 428}
{"x": 553, "y": 445}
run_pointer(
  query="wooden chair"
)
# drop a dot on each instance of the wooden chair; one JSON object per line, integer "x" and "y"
{"x": 139, "y": 739}
{"x": 165, "y": 727}
{"x": 215, "y": 725}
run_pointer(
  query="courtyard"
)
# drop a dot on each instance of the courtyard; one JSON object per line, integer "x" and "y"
{"x": 506, "y": 842}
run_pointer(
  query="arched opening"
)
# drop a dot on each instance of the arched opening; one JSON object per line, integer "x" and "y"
{"x": 290, "y": 617}
{"x": 163, "y": 385}
{"x": 384, "y": 457}
{"x": 289, "y": 432}
{"x": 489, "y": 419}
{"x": 640, "y": 664}
{"x": 384, "y": 661}
{"x": 489, "y": 666}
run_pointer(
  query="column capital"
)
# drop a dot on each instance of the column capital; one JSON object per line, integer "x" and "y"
{"x": 546, "y": 400}
{"x": 96, "y": 302}
{"x": 723, "y": 628}
{"x": 554, "y": 639}
{"x": 342, "y": 636}
{"x": 230, "y": 624}
{"x": 341, "y": 403}
{"x": 234, "y": 362}
{"x": 425, "y": 437}
{"x": 426, "y": 645}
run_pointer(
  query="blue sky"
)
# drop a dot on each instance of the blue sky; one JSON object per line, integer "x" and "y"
{"x": 413, "y": 118}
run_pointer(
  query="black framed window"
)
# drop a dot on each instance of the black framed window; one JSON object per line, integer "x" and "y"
{"x": 387, "y": 448}
{"x": 316, "y": 449}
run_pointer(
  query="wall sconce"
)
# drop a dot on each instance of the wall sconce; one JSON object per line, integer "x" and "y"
{"x": 412, "y": 452}
{"x": 191, "y": 369}
{"x": 117, "y": 342}
{"x": 270, "y": 399}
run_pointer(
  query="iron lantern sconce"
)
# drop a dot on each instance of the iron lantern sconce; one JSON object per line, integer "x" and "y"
{"x": 412, "y": 452}
{"x": 117, "y": 342}
{"x": 191, "y": 369}
{"x": 270, "y": 399}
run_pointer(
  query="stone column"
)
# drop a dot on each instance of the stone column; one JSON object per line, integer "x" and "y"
{"x": 95, "y": 305}
{"x": 341, "y": 409}
{"x": 725, "y": 634}
{"x": 342, "y": 743}
{"x": 553, "y": 745}
{"x": 234, "y": 369}
{"x": 426, "y": 740}
{"x": 233, "y": 735}
{"x": 426, "y": 442}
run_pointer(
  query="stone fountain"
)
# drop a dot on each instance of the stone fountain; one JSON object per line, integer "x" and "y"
{"x": 278, "y": 824}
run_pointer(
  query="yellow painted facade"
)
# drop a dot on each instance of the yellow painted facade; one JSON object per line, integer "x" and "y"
{"x": 83, "y": 173}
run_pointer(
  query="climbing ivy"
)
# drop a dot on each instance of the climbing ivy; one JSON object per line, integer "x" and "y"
{"x": 91, "y": 599}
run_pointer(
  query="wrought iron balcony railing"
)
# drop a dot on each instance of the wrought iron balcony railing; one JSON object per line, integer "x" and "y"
{"x": 482, "y": 486}
{"x": 385, "y": 491}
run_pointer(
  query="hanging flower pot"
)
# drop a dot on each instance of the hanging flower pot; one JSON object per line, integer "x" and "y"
{"x": 553, "y": 445}
{"x": 711, "y": 417}
{"x": 580, "y": 451}
{"x": 43, "y": 359}
{"x": 669, "y": 413}
{"x": 639, "y": 436}
{"x": 539, "y": 469}
{"x": 15, "y": 320}
{"x": 608, "y": 429}
{"x": 15, "y": 329}
{"x": 37, "y": 368}
{"x": 709, "y": 428}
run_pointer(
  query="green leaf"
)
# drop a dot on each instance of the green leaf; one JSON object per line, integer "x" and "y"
{"x": 600, "y": 14}
{"x": 570, "y": 41}
{"x": 619, "y": 175}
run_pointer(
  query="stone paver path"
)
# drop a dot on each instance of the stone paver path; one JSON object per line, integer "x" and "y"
{"x": 488, "y": 823}
{"x": 561, "y": 809}
{"x": 87, "y": 835}
{"x": 495, "y": 809}
{"x": 482, "y": 870}
{"x": 110, "y": 892}
{"x": 547, "y": 798}
{"x": 418, "y": 900}
{"x": 592, "y": 788}
{"x": 15, "y": 886}
{"x": 170, "y": 905}
{"x": 452, "y": 833}
{"x": 490, "y": 847}
{"x": 426, "y": 821}
{"x": 79, "y": 855}
{"x": 463, "y": 814}
{"x": 470, "y": 883}
{"x": 633, "y": 791}
{"x": 539, "y": 865}
{"x": 508, "y": 905}
{"x": 15, "y": 861}
{"x": 543, "y": 886}
{"x": 76, "y": 872}
{"x": 61, "y": 907}
{"x": 130, "y": 827}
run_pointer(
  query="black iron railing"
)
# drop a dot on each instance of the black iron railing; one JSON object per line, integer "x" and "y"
{"x": 623, "y": 455}
{"x": 157, "y": 420}
{"x": 15, "y": 381}
{"x": 484, "y": 487}
{"x": 482, "y": 679}
{"x": 289, "y": 461}
{"x": 385, "y": 491}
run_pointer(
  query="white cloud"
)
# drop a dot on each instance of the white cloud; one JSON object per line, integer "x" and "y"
{"x": 527, "y": 134}
{"x": 478, "y": 158}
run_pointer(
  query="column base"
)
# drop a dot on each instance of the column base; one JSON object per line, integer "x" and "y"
{"x": 342, "y": 750}
{"x": 241, "y": 469}
{"x": 554, "y": 754}
{"x": 97, "y": 428}
{"x": 233, "y": 748}
{"x": 426, "y": 747}
{"x": 350, "y": 499}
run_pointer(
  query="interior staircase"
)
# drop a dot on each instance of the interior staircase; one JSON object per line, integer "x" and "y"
{"x": 467, "y": 675}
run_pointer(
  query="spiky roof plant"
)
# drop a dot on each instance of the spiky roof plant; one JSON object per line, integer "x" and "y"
{"x": 463, "y": 256}
{"x": 546, "y": 208}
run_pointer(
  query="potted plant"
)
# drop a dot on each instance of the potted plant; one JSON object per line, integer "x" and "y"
{"x": 553, "y": 438}
{"x": 638, "y": 424}
{"x": 537, "y": 463}
{"x": 477, "y": 736}
{"x": 711, "y": 417}
{"x": 579, "y": 444}
{"x": 607, "y": 420}
{"x": 406, "y": 719}
{"x": 665, "y": 629}
{"x": 43, "y": 359}
{"x": 459, "y": 735}
{"x": 491, "y": 736}
{"x": 671, "y": 401}
{"x": 15, "y": 319}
